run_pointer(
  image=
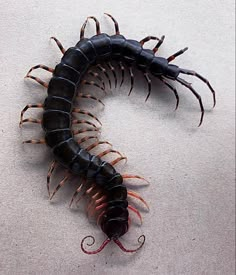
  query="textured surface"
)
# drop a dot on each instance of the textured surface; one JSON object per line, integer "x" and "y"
{"x": 190, "y": 228}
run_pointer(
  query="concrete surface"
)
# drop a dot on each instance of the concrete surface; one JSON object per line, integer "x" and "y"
{"x": 190, "y": 226}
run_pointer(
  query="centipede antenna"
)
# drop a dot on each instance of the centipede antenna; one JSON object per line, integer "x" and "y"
{"x": 131, "y": 250}
{"x": 90, "y": 244}
{"x": 189, "y": 72}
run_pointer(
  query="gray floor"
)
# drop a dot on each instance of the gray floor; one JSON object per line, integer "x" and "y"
{"x": 190, "y": 226}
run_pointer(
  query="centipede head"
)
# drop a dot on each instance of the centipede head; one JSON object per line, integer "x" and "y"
{"x": 141, "y": 241}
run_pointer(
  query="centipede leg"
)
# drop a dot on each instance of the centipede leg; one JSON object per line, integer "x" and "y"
{"x": 84, "y": 130}
{"x": 81, "y": 121}
{"x": 63, "y": 181}
{"x": 131, "y": 80}
{"x": 58, "y": 44}
{"x": 137, "y": 196}
{"x": 41, "y": 82}
{"x": 173, "y": 56}
{"x": 40, "y": 66}
{"x": 148, "y": 38}
{"x": 98, "y": 31}
{"x": 189, "y": 86}
{"x": 83, "y": 29}
{"x": 189, "y": 72}
{"x": 76, "y": 193}
{"x": 32, "y": 120}
{"x": 35, "y": 141}
{"x": 38, "y": 105}
{"x": 155, "y": 49}
{"x": 86, "y": 138}
{"x": 114, "y": 162}
{"x": 90, "y": 97}
{"x": 115, "y": 23}
{"x": 96, "y": 75}
{"x": 173, "y": 89}
{"x": 102, "y": 69}
{"x": 79, "y": 111}
{"x": 136, "y": 212}
{"x": 92, "y": 146}
{"x": 109, "y": 151}
{"x": 149, "y": 85}
{"x": 121, "y": 66}
{"x": 92, "y": 83}
{"x": 50, "y": 171}
{"x": 113, "y": 72}
{"x": 128, "y": 176}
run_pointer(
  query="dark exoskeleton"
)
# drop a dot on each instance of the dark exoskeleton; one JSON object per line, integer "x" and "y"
{"x": 57, "y": 119}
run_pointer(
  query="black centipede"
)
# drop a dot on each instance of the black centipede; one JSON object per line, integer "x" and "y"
{"x": 100, "y": 180}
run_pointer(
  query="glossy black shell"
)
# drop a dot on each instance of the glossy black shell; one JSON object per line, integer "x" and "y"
{"x": 57, "y": 116}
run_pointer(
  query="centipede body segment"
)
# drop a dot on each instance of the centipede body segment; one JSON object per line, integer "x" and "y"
{"x": 105, "y": 187}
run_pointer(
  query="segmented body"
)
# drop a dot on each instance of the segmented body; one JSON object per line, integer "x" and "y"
{"x": 59, "y": 106}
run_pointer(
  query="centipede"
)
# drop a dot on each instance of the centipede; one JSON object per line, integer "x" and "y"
{"x": 100, "y": 56}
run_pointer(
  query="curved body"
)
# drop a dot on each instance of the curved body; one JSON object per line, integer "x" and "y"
{"x": 113, "y": 215}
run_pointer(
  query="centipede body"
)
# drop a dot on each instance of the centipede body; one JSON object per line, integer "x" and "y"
{"x": 100, "y": 180}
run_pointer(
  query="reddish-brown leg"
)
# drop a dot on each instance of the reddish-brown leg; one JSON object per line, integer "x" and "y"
{"x": 148, "y": 38}
{"x": 114, "y": 162}
{"x": 50, "y": 171}
{"x": 67, "y": 176}
{"x": 80, "y": 95}
{"x": 173, "y": 56}
{"x": 173, "y": 89}
{"x": 121, "y": 66}
{"x": 86, "y": 138}
{"x": 76, "y": 193}
{"x": 111, "y": 67}
{"x": 84, "y": 130}
{"x": 137, "y": 196}
{"x": 40, "y": 66}
{"x": 35, "y": 141}
{"x": 149, "y": 84}
{"x": 131, "y": 80}
{"x": 83, "y": 29}
{"x": 96, "y": 75}
{"x": 79, "y": 111}
{"x": 98, "y": 31}
{"x": 136, "y": 212}
{"x": 58, "y": 44}
{"x": 102, "y": 69}
{"x": 90, "y": 147}
{"x": 41, "y": 82}
{"x": 31, "y": 120}
{"x": 128, "y": 176}
{"x": 115, "y": 23}
{"x": 38, "y": 105}
{"x": 107, "y": 152}
{"x": 155, "y": 49}
{"x": 92, "y": 83}
{"x": 81, "y": 121}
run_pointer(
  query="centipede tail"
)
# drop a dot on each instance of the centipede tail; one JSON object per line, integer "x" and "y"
{"x": 64, "y": 125}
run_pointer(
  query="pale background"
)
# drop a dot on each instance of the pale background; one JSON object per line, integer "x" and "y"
{"x": 190, "y": 226}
